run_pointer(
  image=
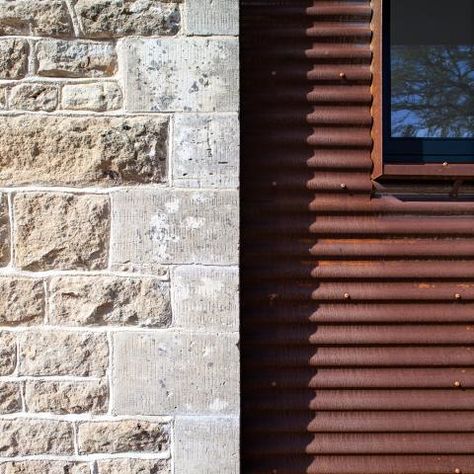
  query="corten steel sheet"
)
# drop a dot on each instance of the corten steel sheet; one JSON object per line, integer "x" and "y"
{"x": 357, "y": 300}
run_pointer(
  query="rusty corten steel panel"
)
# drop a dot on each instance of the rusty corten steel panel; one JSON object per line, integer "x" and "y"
{"x": 357, "y": 302}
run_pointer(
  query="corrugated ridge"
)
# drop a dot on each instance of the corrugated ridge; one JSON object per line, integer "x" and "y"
{"x": 393, "y": 288}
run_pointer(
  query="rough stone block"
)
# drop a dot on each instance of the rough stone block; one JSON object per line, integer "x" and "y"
{"x": 66, "y": 397}
{"x": 181, "y": 74}
{"x": 82, "y": 301}
{"x": 134, "y": 466}
{"x": 34, "y": 97}
{"x": 98, "y": 97}
{"x": 78, "y": 151}
{"x": 197, "y": 449}
{"x": 13, "y": 58}
{"x": 174, "y": 227}
{"x": 123, "y": 436}
{"x": 46, "y": 353}
{"x": 40, "y": 17}
{"x": 61, "y": 231}
{"x": 171, "y": 372}
{"x": 206, "y": 297}
{"x": 206, "y": 150}
{"x": 44, "y": 467}
{"x": 60, "y": 58}
{"x": 28, "y": 437}
{"x": 113, "y": 19}
{"x": 212, "y": 17}
{"x": 4, "y": 231}
{"x": 8, "y": 354}
{"x": 22, "y": 301}
{"x": 10, "y": 398}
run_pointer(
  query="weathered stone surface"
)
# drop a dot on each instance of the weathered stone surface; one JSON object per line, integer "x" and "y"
{"x": 4, "y": 231}
{"x": 10, "y": 398}
{"x": 181, "y": 74}
{"x": 40, "y": 17}
{"x": 27, "y": 437}
{"x": 22, "y": 301}
{"x": 98, "y": 97}
{"x": 7, "y": 353}
{"x": 58, "y": 58}
{"x": 13, "y": 58}
{"x": 123, "y": 436}
{"x": 34, "y": 97}
{"x": 66, "y": 397}
{"x": 206, "y": 150}
{"x": 113, "y": 19}
{"x": 82, "y": 150}
{"x": 196, "y": 449}
{"x": 63, "y": 353}
{"x": 170, "y": 372}
{"x": 212, "y": 17}
{"x": 61, "y": 231}
{"x": 175, "y": 227}
{"x": 44, "y": 467}
{"x": 3, "y": 98}
{"x": 81, "y": 301}
{"x": 134, "y": 466}
{"x": 206, "y": 297}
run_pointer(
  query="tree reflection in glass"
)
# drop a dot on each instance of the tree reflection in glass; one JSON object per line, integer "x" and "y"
{"x": 432, "y": 91}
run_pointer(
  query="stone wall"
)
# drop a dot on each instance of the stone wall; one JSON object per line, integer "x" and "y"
{"x": 119, "y": 236}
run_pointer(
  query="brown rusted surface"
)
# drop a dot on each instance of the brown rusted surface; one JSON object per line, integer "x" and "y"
{"x": 357, "y": 298}
{"x": 394, "y": 285}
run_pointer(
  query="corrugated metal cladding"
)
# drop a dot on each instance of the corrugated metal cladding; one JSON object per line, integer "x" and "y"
{"x": 358, "y": 310}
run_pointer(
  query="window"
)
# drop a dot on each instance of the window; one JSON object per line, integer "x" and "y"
{"x": 424, "y": 53}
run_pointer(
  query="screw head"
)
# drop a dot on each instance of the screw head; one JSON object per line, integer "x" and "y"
{"x": 457, "y": 296}
{"x": 342, "y": 75}
{"x": 457, "y": 384}
{"x": 445, "y": 164}
{"x": 347, "y": 296}
{"x": 343, "y": 186}
{"x": 457, "y": 471}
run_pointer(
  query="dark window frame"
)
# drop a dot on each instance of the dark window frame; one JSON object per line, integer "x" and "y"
{"x": 402, "y": 157}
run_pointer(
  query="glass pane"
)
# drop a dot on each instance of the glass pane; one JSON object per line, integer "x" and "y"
{"x": 432, "y": 68}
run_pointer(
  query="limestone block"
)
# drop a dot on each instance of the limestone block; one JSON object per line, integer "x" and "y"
{"x": 55, "y": 150}
{"x": 28, "y": 437}
{"x": 61, "y": 231}
{"x": 66, "y": 397}
{"x": 4, "y": 231}
{"x": 98, "y": 97}
{"x": 174, "y": 226}
{"x": 61, "y": 58}
{"x": 181, "y": 74}
{"x": 13, "y": 58}
{"x": 207, "y": 445}
{"x": 39, "y": 17}
{"x": 10, "y": 398}
{"x": 34, "y": 97}
{"x": 44, "y": 467}
{"x": 82, "y": 301}
{"x": 134, "y": 466}
{"x": 7, "y": 353}
{"x": 171, "y": 372}
{"x": 113, "y": 19}
{"x": 206, "y": 297}
{"x": 212, "y": 17}
{"x": 22, "y": 301}
{"x": 206, "y": 150}
{"x": 123, "y": 436}
{"x": 45, "y": 352}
